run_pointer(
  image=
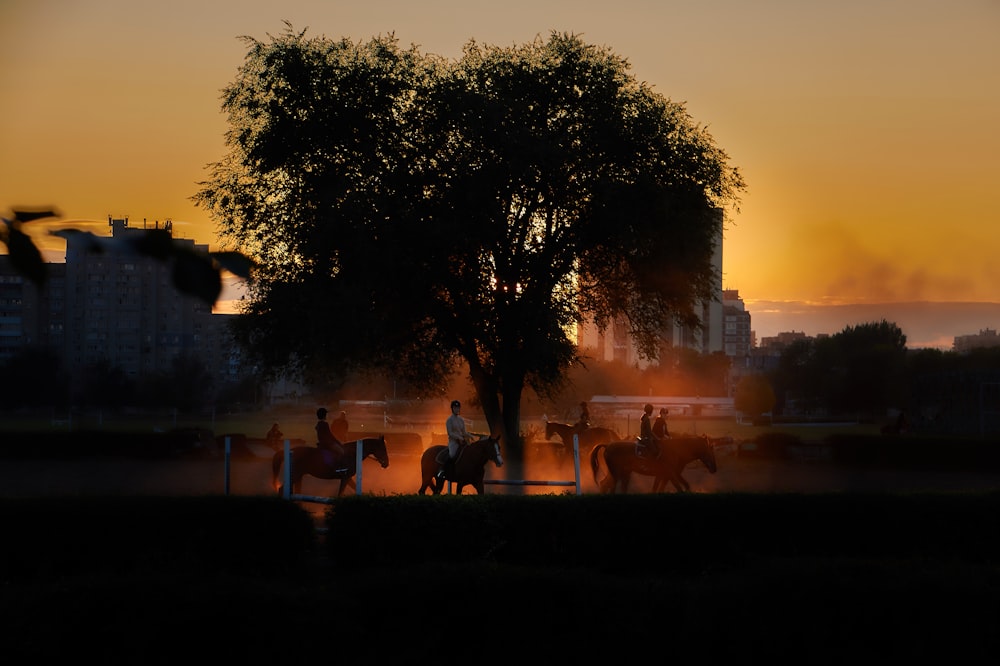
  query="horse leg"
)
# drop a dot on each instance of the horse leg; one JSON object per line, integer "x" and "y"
{"x": 426, "y": 478}
{"x": 345, "y": 483}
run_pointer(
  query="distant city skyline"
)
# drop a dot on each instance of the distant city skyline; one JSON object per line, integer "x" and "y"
{"x": 864, "y": 129}
{"x": 925, "y": 324}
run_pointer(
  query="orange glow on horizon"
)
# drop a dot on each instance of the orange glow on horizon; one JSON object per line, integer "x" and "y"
{"x": 870, "y": 170}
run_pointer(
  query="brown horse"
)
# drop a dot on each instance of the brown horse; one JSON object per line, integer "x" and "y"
{"x": 675, "y": 453}
{"x": 588, "y": 438}
{"x": 469, "y": 467}
{"x": 315, "y": 461}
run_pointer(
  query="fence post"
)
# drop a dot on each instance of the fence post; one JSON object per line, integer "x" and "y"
{"x": 359, "y": 455}
{"x": 576, "y": 460}
{"x": 288, "y": 469}
{"x": 227, "y": 464}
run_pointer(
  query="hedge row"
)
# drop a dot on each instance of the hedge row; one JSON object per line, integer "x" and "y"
{"x": 658, "y": 533}
{"x": 51, "y": 537}
{"x": 879, "y": 451}
{"x": 622, "y": 534}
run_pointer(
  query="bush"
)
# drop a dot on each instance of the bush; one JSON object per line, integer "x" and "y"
{"x": 624, "y": 533}
{"x": 53, "y": 537}
{"x": 772, "y": 446}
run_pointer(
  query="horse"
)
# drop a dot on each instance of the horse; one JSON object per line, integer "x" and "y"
{"x": 675, "y": 453}
{"x": 588, "y": 438}
{"x": 897, "y": 427}
{"x": 468, "y": 468}
{"x": 315, "y": 461}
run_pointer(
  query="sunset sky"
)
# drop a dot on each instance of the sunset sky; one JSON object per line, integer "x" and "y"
{"x": 868, "y": 131}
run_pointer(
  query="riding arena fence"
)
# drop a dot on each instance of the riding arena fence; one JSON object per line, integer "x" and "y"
{"x": 522, "y": 482}
{"x": 287, "y": 474}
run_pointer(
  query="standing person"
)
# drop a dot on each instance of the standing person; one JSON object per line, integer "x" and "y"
{"x": 325, "y": 439}
{"x": 458, "y": 436}
{"x": 584, "y": 421}
{"x": 273, "y": 437}
{"x": 646, "y": 437}
{"x": 660, "y": 425}
{"x": 339, "y": 427}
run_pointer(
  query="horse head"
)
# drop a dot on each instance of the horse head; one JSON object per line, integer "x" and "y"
{"x": 494, "y": 450}
{"x": 378, "y": 450}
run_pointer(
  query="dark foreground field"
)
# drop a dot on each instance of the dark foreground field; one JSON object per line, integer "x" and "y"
{"x": 157, "y": 602}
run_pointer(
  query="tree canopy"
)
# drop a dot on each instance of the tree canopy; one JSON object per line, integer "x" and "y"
{"x": 861, "y": 369}
{"x": 414, "y": 213}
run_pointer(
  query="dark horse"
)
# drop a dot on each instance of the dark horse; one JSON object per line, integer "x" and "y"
{"x": 675, "y": 453}
{"x": 469, "y": 467}
{"x": 897, "y": 427}
{"x": 315, "y": 461}
{"x": 588, "y": 438}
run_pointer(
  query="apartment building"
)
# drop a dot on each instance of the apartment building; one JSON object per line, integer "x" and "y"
{"x": 987, "y": 337}
{"x": 114, "y": 307}
{"x": 616, "y": 344}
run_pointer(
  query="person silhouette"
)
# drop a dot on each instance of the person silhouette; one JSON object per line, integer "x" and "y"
{"x": 660, "y": 425}
{"x": 584, "y": 422}
{"x": 273, "y": 437}
{"x": 339, "y": 427}
{"x": 326, "y": 441}
{"x": 458, "y": 436}
{"x": 647, "y": 440}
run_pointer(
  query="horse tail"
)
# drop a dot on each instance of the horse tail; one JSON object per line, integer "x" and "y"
{"x": 594, "y": 462}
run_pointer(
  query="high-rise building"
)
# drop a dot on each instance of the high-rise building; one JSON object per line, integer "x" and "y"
{"x": 113, "y": 306}
{"x": 737, "y": 337}
{"x": 616, "y": 343}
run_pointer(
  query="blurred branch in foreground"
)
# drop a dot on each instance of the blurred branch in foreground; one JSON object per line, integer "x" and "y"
{"x": 195, "y": 272}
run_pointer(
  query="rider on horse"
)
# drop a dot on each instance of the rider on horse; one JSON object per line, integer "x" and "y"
{"x": 326, "y": 441}
{"x": 273, "y": 437}
{"x": 647, "y": 446}
{"x": 458, "y": 436}
{"x": 660, "y": 425}
{"x": 584, "y": 421}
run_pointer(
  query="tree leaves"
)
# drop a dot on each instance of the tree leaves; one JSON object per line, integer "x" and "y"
{"x": 414, "y": 212}
{"x": 25, "y": 257}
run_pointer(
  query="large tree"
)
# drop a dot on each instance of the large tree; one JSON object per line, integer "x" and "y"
{"x": 416, "y": 213}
